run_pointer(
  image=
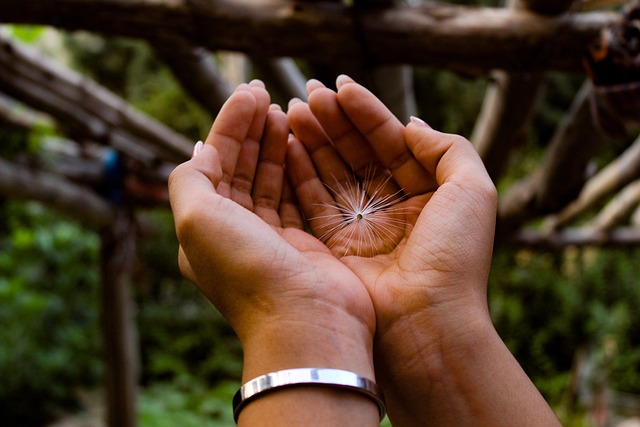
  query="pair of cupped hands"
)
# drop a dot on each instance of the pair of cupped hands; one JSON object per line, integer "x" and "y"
{"x": 252, "y": 206}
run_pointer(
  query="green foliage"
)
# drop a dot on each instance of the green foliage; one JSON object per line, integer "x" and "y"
{"x": 48, "y": 296}
{"x": 26, "y": 33}
{"x": 187, "y": 402}
{"x": 181, "y": 333}
{"x": 547, "y": 307}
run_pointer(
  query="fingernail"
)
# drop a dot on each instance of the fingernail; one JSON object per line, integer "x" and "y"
{"x": 294, "y": 101}
{"x": 275, "y": 107}
{"x": 314, "y": 84}
{"x": 417, "y": 121}
{"x": 257, "y": 83}
{"x": 343, "y": 79}
{"x": 197, "y": 148}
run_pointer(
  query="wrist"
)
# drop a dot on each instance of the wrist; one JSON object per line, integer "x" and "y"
{"x": 339, "y": 342}
{"x": 284, "y": 344}
{"x": 430, "y": 343}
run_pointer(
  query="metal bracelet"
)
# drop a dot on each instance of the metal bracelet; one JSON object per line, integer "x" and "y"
{"x": 325, "y": 377}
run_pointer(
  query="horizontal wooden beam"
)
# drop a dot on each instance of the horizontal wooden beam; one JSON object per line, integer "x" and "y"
{"x": 20, "y": 182}
{"x": 576, "y": 237}
{"x": 86, "y": 109}
{"x": 473, "y": 39}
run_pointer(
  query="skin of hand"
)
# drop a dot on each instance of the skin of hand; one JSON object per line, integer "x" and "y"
{"x": 437, "y": 355}
{"x": 242, "y": 242}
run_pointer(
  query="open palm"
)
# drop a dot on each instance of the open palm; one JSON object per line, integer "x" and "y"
{"x": 413, "y": 253}
{"x": 242, "y": 238}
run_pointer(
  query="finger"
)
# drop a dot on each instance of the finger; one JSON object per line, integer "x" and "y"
{"x": 314, "y": 84}
{"x": 244, "y": 173}
{"x": 229, "y": 130}
{"x": 385, "y": 134}
{"x": 355, "y": 151}
{"x": 328, "y": 163}
{"x": 290, "y": 215}
{"x": 312, "y": 195}
{"x": 267, "y": 188}
{"x": 351, "y": 145}
{"x": 447, "y": 157}
{"x": 465, "y": 196}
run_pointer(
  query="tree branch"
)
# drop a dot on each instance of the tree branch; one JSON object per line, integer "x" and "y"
{"x": 281, "y": 75}
{"x": 610, "y": 179}
{"x": 197, "y": 72}
{"x": 618, "y": 209}
{"x": 71, "y": 199}
{"x": 509, "y": 102}
{"x": 560, "y": 178}
{"x": 90, "y": 111}
{"x": 473, "y": 39}
{"x": 618, "y": 237}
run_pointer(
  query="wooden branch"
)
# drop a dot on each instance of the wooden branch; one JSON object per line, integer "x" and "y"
{"x": 561, "y": 176}
{"x": 618, "y": 237}
{"x": 608, "y": 181}
{"x": 509, "y": 103}
{"x": 119, "y": 332}
{"x": 197, "y": 72}
{"x": 505, "y": 117}
{"x": 618, "y": 209}
{"x": 473, "y": 39}
{"x": 19, "y": 116}
{"x": 89, "y": 110}
{"x": 394, "y": 86}
{"x": 282, "y": 76}
{"x": 71, "y": 199}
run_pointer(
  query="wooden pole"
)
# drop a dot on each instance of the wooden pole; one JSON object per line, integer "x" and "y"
{"x": 510, "y": 102}
{"x": 118, "y": 324}
{"x": 470, "y": 39}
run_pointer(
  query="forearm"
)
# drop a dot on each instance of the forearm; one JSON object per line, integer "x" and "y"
{"x": 464, "y": 376}
{"x": 299, "y": 344}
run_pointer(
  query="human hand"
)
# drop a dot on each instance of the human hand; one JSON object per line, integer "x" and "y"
{"x": 437, "y": 356}
{"x": 433, "y": 245}
{"x": 242, "y": 242}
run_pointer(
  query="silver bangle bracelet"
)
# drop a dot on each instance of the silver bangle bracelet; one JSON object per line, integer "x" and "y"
{"x": 325, "y": 377}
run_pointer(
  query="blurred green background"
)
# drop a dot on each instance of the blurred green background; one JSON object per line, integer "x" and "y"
{"x": 570, "y": 317}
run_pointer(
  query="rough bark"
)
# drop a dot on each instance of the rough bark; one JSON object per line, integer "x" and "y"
{"x": 473, "y": 39}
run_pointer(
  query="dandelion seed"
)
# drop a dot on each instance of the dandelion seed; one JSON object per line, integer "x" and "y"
{"x": 366, "y": 220}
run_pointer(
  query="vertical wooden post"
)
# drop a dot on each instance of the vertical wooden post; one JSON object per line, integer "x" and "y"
{"x": 118, "y": 323}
